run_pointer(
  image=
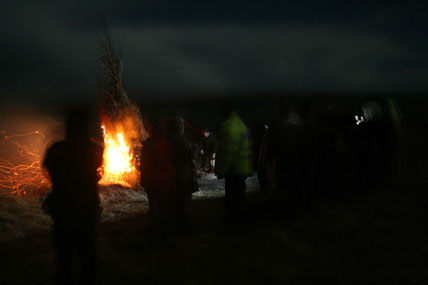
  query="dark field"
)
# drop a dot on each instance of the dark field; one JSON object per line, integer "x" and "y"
{"x": 377, "y": 238}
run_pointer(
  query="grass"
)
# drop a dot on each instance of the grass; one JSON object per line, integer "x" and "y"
{"x": 370, "y": 239}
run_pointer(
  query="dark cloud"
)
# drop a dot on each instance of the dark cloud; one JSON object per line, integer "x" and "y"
{"x": 269, "y": 57}
{"x": 196, "y": 46}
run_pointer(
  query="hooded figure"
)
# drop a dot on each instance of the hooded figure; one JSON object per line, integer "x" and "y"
{"x": 183, "y": 161}
{"x": 234, "y": 161}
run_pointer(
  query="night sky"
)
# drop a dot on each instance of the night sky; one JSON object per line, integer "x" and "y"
{"x": 196, "y": 47}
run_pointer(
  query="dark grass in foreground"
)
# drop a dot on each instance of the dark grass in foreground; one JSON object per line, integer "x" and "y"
{"x": 364, "y": 239}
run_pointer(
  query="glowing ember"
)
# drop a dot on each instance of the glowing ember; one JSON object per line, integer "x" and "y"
{"x": 119, "y": 166}
{"x": 123, "y": 129}
{"x": 21, "y": 156}
{"x": 20, "y": 170}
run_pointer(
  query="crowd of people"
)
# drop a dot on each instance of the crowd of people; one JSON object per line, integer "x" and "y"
{"x": 172, "y": 160}
{"x": 300, "y": 156}
{"x": 308, "y": 154}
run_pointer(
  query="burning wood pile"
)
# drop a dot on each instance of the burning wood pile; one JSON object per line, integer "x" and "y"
{"x": 21, "y": 157}
{"x": 122, "y": 126}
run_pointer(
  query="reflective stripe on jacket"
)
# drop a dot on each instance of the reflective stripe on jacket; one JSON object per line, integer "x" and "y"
{"x": 234, "y": 155}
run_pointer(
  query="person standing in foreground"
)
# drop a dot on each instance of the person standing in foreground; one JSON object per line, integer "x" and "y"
{"x": 158, "y": 179}
{"x": 74, "y": 204}
{"x": 233, "y": 161}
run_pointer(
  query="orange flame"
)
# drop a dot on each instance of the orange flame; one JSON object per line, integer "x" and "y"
{"x": 119, "y": 166}
{"x": 21, "y": 157}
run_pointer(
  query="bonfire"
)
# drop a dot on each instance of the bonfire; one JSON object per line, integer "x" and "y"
{"x": 121, "y": 123}
{"x": 20, "y": 159}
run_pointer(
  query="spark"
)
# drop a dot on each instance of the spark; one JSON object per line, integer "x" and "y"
{"x": 20, "y": 164}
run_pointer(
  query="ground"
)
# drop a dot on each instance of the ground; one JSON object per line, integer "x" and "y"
{"x": 376, "y": 238}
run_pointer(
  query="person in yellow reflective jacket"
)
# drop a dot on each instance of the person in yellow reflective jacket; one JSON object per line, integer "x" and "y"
{"x": 233, "y": 161}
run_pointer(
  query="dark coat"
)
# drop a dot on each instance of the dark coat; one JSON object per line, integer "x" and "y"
{"x": 285, "y": 150}
{"x": 184, "y": 164}
{"x": 157, "y": 171}
{"x": 73, "y": 170}
{"x": 210, "y": 144}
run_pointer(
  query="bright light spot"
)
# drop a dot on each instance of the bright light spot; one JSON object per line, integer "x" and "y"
{"x": 359, "y": 119}
{"x": 118, "y": 165}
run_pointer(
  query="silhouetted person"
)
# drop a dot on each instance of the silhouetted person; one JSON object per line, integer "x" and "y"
{"x": 195, "y": 137}
{"x": 208, "y": 151}
{"x": 262, "y": 163}
{"x": 74, "y": 203}
{"x": 233, "y": 161}
{"x": 285, "y": 159}
{"x": 183, "y": 161}
{"x": 375, "y": 147}
{"x": 158, "y": 179}
{"x": 327, "y": 155}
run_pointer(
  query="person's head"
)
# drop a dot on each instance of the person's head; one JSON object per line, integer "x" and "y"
{"x": 207, "y": 132}
{"x": 226, "y": 109}
{"x": 77, "y": 124}
{"x": 372, "y": 111}
{"x": 175, "y": 125}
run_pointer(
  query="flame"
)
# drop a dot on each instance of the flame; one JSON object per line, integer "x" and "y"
{"x": 21, "y": 157}
{"x": 20, "y": 162}
{"x": 119, "y": 163}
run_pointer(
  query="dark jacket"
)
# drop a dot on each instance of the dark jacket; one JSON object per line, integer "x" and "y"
{"x": 157, "y": 171}
{"x": 73, "y": 170}
{"x": 210, "y": 144}
{"x": 183, "y": 161}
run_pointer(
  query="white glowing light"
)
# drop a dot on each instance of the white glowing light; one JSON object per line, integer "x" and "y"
{"x": 359, "y": 119}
